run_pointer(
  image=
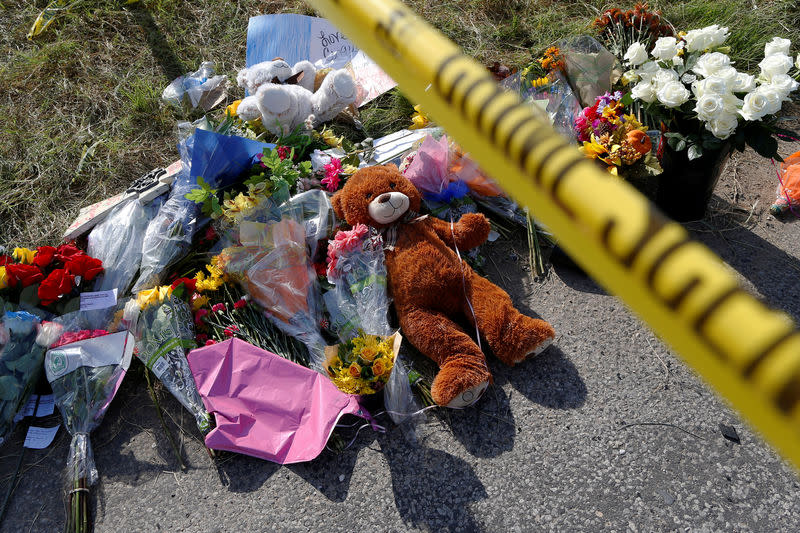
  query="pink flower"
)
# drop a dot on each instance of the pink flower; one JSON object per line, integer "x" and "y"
{"x": 230, "y": 330}
{"x": 219, "y": 308}
{"x": 239, "y": 304}
{"x": 332, "y": 171}
{"x": 198, "y": 316}
{"x": 210, "y": 342}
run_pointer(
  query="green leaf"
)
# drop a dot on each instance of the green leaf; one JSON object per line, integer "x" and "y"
{"x": 30, "y": 295}
{"x": 627, "y": 99}
{"x": 695, "y": 152}
{"x": 764, "y": 145}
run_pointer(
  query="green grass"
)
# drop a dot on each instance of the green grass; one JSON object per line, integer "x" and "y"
{"x": 80, "y": 110}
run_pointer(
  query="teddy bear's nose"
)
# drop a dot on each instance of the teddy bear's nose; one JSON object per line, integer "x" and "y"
{"x": 383, "y": 198}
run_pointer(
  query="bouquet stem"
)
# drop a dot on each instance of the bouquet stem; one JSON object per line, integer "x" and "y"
{"x": 161, "y": 419}
{"x": 78, "y": 517}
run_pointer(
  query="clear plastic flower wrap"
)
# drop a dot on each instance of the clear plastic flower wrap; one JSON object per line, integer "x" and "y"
{"x": 117, "y": 242}
{"x": 197, "y": 89}
{"x": 359, "y": 304}
{"x": 275, "y": 270}
{"x": 21, "y": 357}
{"x": 220, "y": 161}
{"x": 589, "y": 66}
{"x": 556, "y": 98}
{"x": 85, "y": 375}
{"x": 164, "y": 331}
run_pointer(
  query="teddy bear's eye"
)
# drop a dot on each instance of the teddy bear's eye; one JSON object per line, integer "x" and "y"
{"x": 367, "y": 195}
{"x": 392, "y": 184}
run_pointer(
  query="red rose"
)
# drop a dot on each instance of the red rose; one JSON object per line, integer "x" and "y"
{"x": 66, "y": 251}
{"x": 189, "y": 283}
{"x": 6, "y": 260}
{"x": 57, "y": 284}
{"x": 26, "y": 275}
{"x": 44, "y": 256}
{"x": 85, "y": 266}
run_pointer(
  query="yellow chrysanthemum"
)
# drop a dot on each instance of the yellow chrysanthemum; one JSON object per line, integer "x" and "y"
{"x": 3, "y": 278}
{"x": 147, "y": 297}
{"x": 24, "y": 255}
{"x": 199, "y": 302}
{"x": 349, "y": 170}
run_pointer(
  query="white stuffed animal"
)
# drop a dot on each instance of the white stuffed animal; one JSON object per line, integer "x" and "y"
{"x": 282, "y": 107}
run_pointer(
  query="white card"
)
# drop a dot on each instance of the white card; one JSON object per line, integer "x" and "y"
{"x": 98, "y": 300}
{"x": 28, "y": 410}
{"x": 40, "y": 438}
{"x": 47, "y": 405}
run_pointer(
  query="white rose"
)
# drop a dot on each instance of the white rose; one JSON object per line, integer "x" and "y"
{"x": 743, "y": 83}
{"x": 774, "y": 65}
{"x": 774, "y": 98}
{"x": 722, "y": 126}
{"x": 665, "y": 48}
{"x": 708, "y": 106}
{"x": 710, "y": 64}
{"x": 784, "y": 84}
{"x": 731, "y": 104}
{"x": 777, "y": 46}
{"x": 755, "y": 106}
{"x": 797, "y": 62}
{"x": 636, "y": 54}
{"x": 673, "y": 94}
{"x": 644, "y": 91}
{"x": 648, "y": 70}
{"x": 664, "y": 76}
{"x": 728, "y": 74}
{"x": 712, "y": 85}
{"x": 678, "y": 61}
{"x": 705, "y": 38}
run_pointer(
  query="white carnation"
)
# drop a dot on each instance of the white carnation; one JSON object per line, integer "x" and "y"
{"x": 673, "y": 94}
{"x": 705, "y": 38}
{"x": 710, "y": 64}
{"x": 784, "y": 84}
{"x": 774, "y": 65}
{"x": 722, "y": 126}
{"x": 665, "y": 48}
{"x": 644, "y": 91}
{"x": 636, "y": 54}
{"x": 708, "y": 106}
{"x": 743, "y": 83}
{"x": 777, "y": 46}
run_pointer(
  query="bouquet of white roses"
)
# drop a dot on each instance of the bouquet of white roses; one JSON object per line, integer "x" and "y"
{"x": 689, "y": 84}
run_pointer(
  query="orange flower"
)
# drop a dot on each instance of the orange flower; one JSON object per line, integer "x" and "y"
{"x": 354, "y": 370}
{"x": 640, "y": 141}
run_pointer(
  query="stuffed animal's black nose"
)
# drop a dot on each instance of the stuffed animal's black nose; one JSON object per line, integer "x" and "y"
{"x": 383, "y": 198}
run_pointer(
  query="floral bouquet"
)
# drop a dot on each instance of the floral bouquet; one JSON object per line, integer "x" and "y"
{"x": 162, "y": 322}
{"x": 616, "y": 138}
{"x": 85, "y": 376}
{"x": 21, "y": 357}
{"x": 275, "y": 270}
{"x": 689, "y": 84}
{"x": 47, "y": 277}
{"x": 363, "y": 364}
{"x": 618, "y": 29}
{"x": 359, "y": 303}
{"x": 443, "y": 192}
{"x": 231, "y": 315}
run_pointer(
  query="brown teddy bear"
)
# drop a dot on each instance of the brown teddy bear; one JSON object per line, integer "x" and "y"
{"x": 432, "y": 287}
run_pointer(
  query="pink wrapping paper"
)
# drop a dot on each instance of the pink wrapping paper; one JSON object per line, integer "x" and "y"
{"x": 267, "y": 406}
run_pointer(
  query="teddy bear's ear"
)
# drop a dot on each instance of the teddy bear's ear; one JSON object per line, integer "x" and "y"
{"x": 391, "y": 166}
{"x": 336, "y": 202}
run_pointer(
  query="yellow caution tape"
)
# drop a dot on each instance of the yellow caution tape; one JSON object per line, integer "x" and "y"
{"x": 749, "y": 352}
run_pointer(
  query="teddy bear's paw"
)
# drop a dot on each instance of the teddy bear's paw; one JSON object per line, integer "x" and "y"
{"x": 469, "y": 396}
{"x": 544, "y": 345}
{"x": 274, "y": 100}
{"x": 460, "y": 383}
{"x": 343, "y": 86}
{"x": 248, "y": 109}
{"x": 526, "y": 337}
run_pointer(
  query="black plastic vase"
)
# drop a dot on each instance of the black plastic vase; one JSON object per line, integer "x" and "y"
{"x": 685, "y": 187}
